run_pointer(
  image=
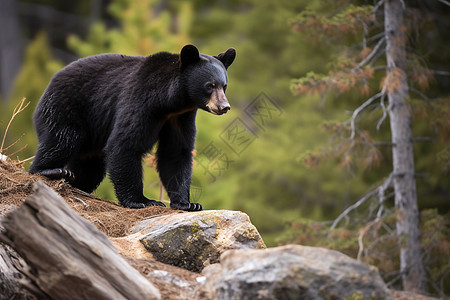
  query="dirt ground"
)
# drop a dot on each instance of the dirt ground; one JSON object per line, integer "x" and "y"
{"x": 112, "y": 219}
{"x": 115, "y": 221}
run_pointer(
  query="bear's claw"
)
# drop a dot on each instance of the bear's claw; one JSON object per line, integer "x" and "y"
{"x": 187, "y": 206}
{"x": 59, "y": 174}
{"x": 147, "y": 203}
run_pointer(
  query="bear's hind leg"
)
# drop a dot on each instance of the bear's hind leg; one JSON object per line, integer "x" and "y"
{"x": 53, "y": 154}
{"x": 89, "y": 169}
{"x": 51, "y": 163}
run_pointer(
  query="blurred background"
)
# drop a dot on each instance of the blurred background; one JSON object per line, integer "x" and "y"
{"x": 272, "y": 156}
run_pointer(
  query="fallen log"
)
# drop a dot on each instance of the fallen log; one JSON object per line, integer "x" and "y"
{"x": 69, "y": 258}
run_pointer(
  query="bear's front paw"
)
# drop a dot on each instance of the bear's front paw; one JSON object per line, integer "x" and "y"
{"x": 187, "y": 206}
{"x": 142, "y": 204}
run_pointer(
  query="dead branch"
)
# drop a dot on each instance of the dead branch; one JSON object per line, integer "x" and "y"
{"x": 16, "y": 141}
{"x": 17, "y": 110}
{"x": 377, "y": 190}
{"x": 445, "y": 2}
{"x": 383, "y": 117}
{"x": 372, "y": 54}
{"x": 357, "y": 111}
{"x": 382, "y": 192}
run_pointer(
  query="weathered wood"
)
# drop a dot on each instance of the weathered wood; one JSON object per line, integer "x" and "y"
{"x": 69, "y": 257}
{"x": 411, "y": 264}
{"x": 13, "y": 285}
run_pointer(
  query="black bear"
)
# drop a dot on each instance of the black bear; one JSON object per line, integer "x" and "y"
{"x": 103, "y": 113}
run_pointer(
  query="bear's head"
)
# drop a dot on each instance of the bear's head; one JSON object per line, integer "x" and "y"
{"x": 206, "y": 78}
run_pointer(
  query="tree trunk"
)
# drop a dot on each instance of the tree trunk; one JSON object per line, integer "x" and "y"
{"x": 411, "y": 265}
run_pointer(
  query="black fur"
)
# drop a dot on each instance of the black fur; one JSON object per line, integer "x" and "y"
{"x": 103, "y": 113}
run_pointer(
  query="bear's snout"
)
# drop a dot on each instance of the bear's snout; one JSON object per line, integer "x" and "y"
{"x": 224, "y": 108}
{"x": 218, "y": 103}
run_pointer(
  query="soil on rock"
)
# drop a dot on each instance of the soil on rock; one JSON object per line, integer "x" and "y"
{"x": 110, "y": 218}
{"x": 113, "y": 220}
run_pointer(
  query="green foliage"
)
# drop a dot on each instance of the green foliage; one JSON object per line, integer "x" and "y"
{"x": 144, "y": 30}
{"x": 349, "y": 21}
{"x": 357, "y": 72}
{"x": 268, "y": 180}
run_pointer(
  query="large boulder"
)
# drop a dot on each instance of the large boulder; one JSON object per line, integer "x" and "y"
{"x": 197, "y": 239}
{"x": 292, "y": 272}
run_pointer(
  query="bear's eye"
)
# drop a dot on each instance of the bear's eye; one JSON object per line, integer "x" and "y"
{"x": 211, "y": 85}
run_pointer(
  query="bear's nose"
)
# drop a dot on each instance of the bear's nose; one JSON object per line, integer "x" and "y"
{"x": 224, "y": 108}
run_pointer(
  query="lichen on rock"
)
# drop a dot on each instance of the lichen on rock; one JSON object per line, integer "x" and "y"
{"x": 195, "y": 240}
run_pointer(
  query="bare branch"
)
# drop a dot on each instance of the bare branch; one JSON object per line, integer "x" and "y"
{"x": 422, "y": 95}
{"x": 377, "y": 6}
{"x": 26, "y": 159}
{"x": 383, "y": 107}
{"x": 352, "y": 207}
{"x": 372, "y": 54}
{"x": 444, "y": 2}
{"x": 26, "y": 145}
{"x": 382, "y": 191}
{"x": 365, "y": 30}
{"x": 387, "y": 144}
{"x": 361, "y": 108}
{"x": 6, "y": 149}
{"x": 360, "y": 240}
{"x": 440, "y": 72}
{"x": 18, "y": 109}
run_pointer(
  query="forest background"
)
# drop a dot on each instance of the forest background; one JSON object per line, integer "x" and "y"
{"x": 274, "y": 155}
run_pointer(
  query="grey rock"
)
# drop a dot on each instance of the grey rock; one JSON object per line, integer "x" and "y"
{"x": 197, "y": 239}
{"x": 292, "y": 272}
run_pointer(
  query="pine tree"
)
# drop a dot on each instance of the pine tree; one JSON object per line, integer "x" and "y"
{"x": 357, "y": 73}
{"x": 146, "y": 27}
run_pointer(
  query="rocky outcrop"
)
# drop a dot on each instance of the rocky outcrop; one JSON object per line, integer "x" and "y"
{"x": 238, "y": 266}
{"x": 195, "y": 240}
{"x": 292, "y": 272}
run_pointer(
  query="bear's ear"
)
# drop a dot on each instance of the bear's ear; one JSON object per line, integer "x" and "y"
{"x": 189, "y": 54}
{"x": 227, "y": 57}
